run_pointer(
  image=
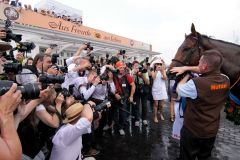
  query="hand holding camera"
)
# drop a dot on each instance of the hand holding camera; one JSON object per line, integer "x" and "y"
{"x": 59, "y": 100}
{"x": 96, "y": 81}
{"x": 9, "y": 101}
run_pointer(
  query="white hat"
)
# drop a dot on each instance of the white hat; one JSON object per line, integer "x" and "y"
{"x": 156, "y": 61}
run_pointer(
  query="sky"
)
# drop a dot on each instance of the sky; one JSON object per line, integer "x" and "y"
{"x": 162, "y": 23}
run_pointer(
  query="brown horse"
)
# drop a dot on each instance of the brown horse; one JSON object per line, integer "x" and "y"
{"x": 194, "y": 44}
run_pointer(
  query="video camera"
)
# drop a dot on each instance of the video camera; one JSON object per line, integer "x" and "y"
{"x": 25, "y": 46}
{"x": 21, "y": 46}
{"x": 9, "y": 34}
{"x": 29, "y": 91}
{"x": 15, "y": 68}
{"x": 89, "y": 46}
{"x": 122, "y": 52}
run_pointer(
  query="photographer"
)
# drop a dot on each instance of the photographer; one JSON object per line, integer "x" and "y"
{"x": 67, "y": 142}
{"x": 9, "y": 141}
{"x": 159, "y": 90}
{"x": 141, "y": 79}
{"x": 92, "y": 81}
{"x": 74, "y": 70}
{"x": 125, "y": 89}
{"x": 41, "y": 63}
{"x": 104, "y": 91}
{"x": 83, "y": 51}
{"x": 37, "y": 129}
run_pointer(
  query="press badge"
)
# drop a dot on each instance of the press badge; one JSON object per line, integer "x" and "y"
{"x": 124, "y": 85}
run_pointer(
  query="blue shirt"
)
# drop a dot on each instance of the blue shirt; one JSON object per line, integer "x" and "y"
{"x": 187, "y": 90}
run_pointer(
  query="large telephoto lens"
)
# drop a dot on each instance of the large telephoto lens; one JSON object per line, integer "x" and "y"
{"x": 29, "y": 91}
{"x": 51, "y": 79}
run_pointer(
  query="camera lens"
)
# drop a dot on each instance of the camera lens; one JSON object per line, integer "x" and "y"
{"x": 13, "y": 67}
{"x": 29, "y": 91}
{"x": 48, "y": 79}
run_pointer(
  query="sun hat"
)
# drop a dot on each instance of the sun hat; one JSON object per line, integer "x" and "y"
{"x": 156, "y": 61}
{"x": 73, "y": 112}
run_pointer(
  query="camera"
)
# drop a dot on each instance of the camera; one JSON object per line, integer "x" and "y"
{"x": 29, "y": 91}
{"x": 89, "y": 46}
{"x": 51, "y": 79}
{"x": 91, "y": 60}
{"x": 54, "y": 58}
{"x": 15, "y": 68}
{"x": 107, "y": 55}
{"x": 113, "y": 60}
{"x": 142, "y": 70}
{"x": 104, "y": 105}
{"x": 157, "y": 64}
{"x": 64, "y": 92}
{"x": 122, "y": 52}
{"x": 63, "y": 69}
{"x": 25, "y": 46}
{"x": 103, "y": 76}
{"x": 146, "y": 59}
{"x": 9, "y": 35}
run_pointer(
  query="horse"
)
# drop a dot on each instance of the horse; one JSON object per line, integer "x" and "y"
{"x": 194, "y": 44}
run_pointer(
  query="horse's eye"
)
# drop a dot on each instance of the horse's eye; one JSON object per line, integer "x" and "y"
{"x": 186, "y": 49}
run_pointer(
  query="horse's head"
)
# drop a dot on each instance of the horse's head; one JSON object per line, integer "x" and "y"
{"x": 189, "y": 53}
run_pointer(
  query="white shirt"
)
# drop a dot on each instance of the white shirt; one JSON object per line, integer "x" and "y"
{"x": 87, "y": 92}
{"x": 187, "y": 89}
{"x": 101, "y": 91}
{"x": 69, "y": 78}
{"x": 69, "y": 61}
{"x": 67, "y": 142}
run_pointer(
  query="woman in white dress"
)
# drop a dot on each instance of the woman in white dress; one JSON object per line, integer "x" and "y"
{"x": 159, "y": 90}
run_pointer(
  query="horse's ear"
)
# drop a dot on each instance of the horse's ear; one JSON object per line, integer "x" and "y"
{"x": 185, "y": 35}
{"x": 193, "y": 30}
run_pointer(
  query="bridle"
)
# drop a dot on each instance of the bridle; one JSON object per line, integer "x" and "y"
{"x": 197, "y": 47}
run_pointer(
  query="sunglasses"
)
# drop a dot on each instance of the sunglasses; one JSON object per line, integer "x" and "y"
{"x": 158, "y": 64}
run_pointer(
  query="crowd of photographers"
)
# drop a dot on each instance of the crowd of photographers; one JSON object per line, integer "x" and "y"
{"x": 62, "y": 112}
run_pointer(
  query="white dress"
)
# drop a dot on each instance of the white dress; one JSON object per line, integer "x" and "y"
{"x": 159, "y": 89}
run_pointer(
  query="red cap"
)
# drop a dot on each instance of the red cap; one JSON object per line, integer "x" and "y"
{"x": 120, "y": 64}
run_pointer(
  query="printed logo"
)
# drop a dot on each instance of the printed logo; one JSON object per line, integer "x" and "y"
{"x": 11, "y": 13}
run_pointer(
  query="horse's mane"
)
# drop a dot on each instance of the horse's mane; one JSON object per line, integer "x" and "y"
{"x": 210, "y": 38}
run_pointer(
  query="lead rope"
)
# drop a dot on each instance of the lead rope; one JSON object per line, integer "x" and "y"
{"x": 235, "y": 82}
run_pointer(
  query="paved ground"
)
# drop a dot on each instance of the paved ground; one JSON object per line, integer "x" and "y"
{"x": 155, "y": 143}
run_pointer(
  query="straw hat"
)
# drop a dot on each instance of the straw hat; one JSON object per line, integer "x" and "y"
{"x": 73, "y": 112}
